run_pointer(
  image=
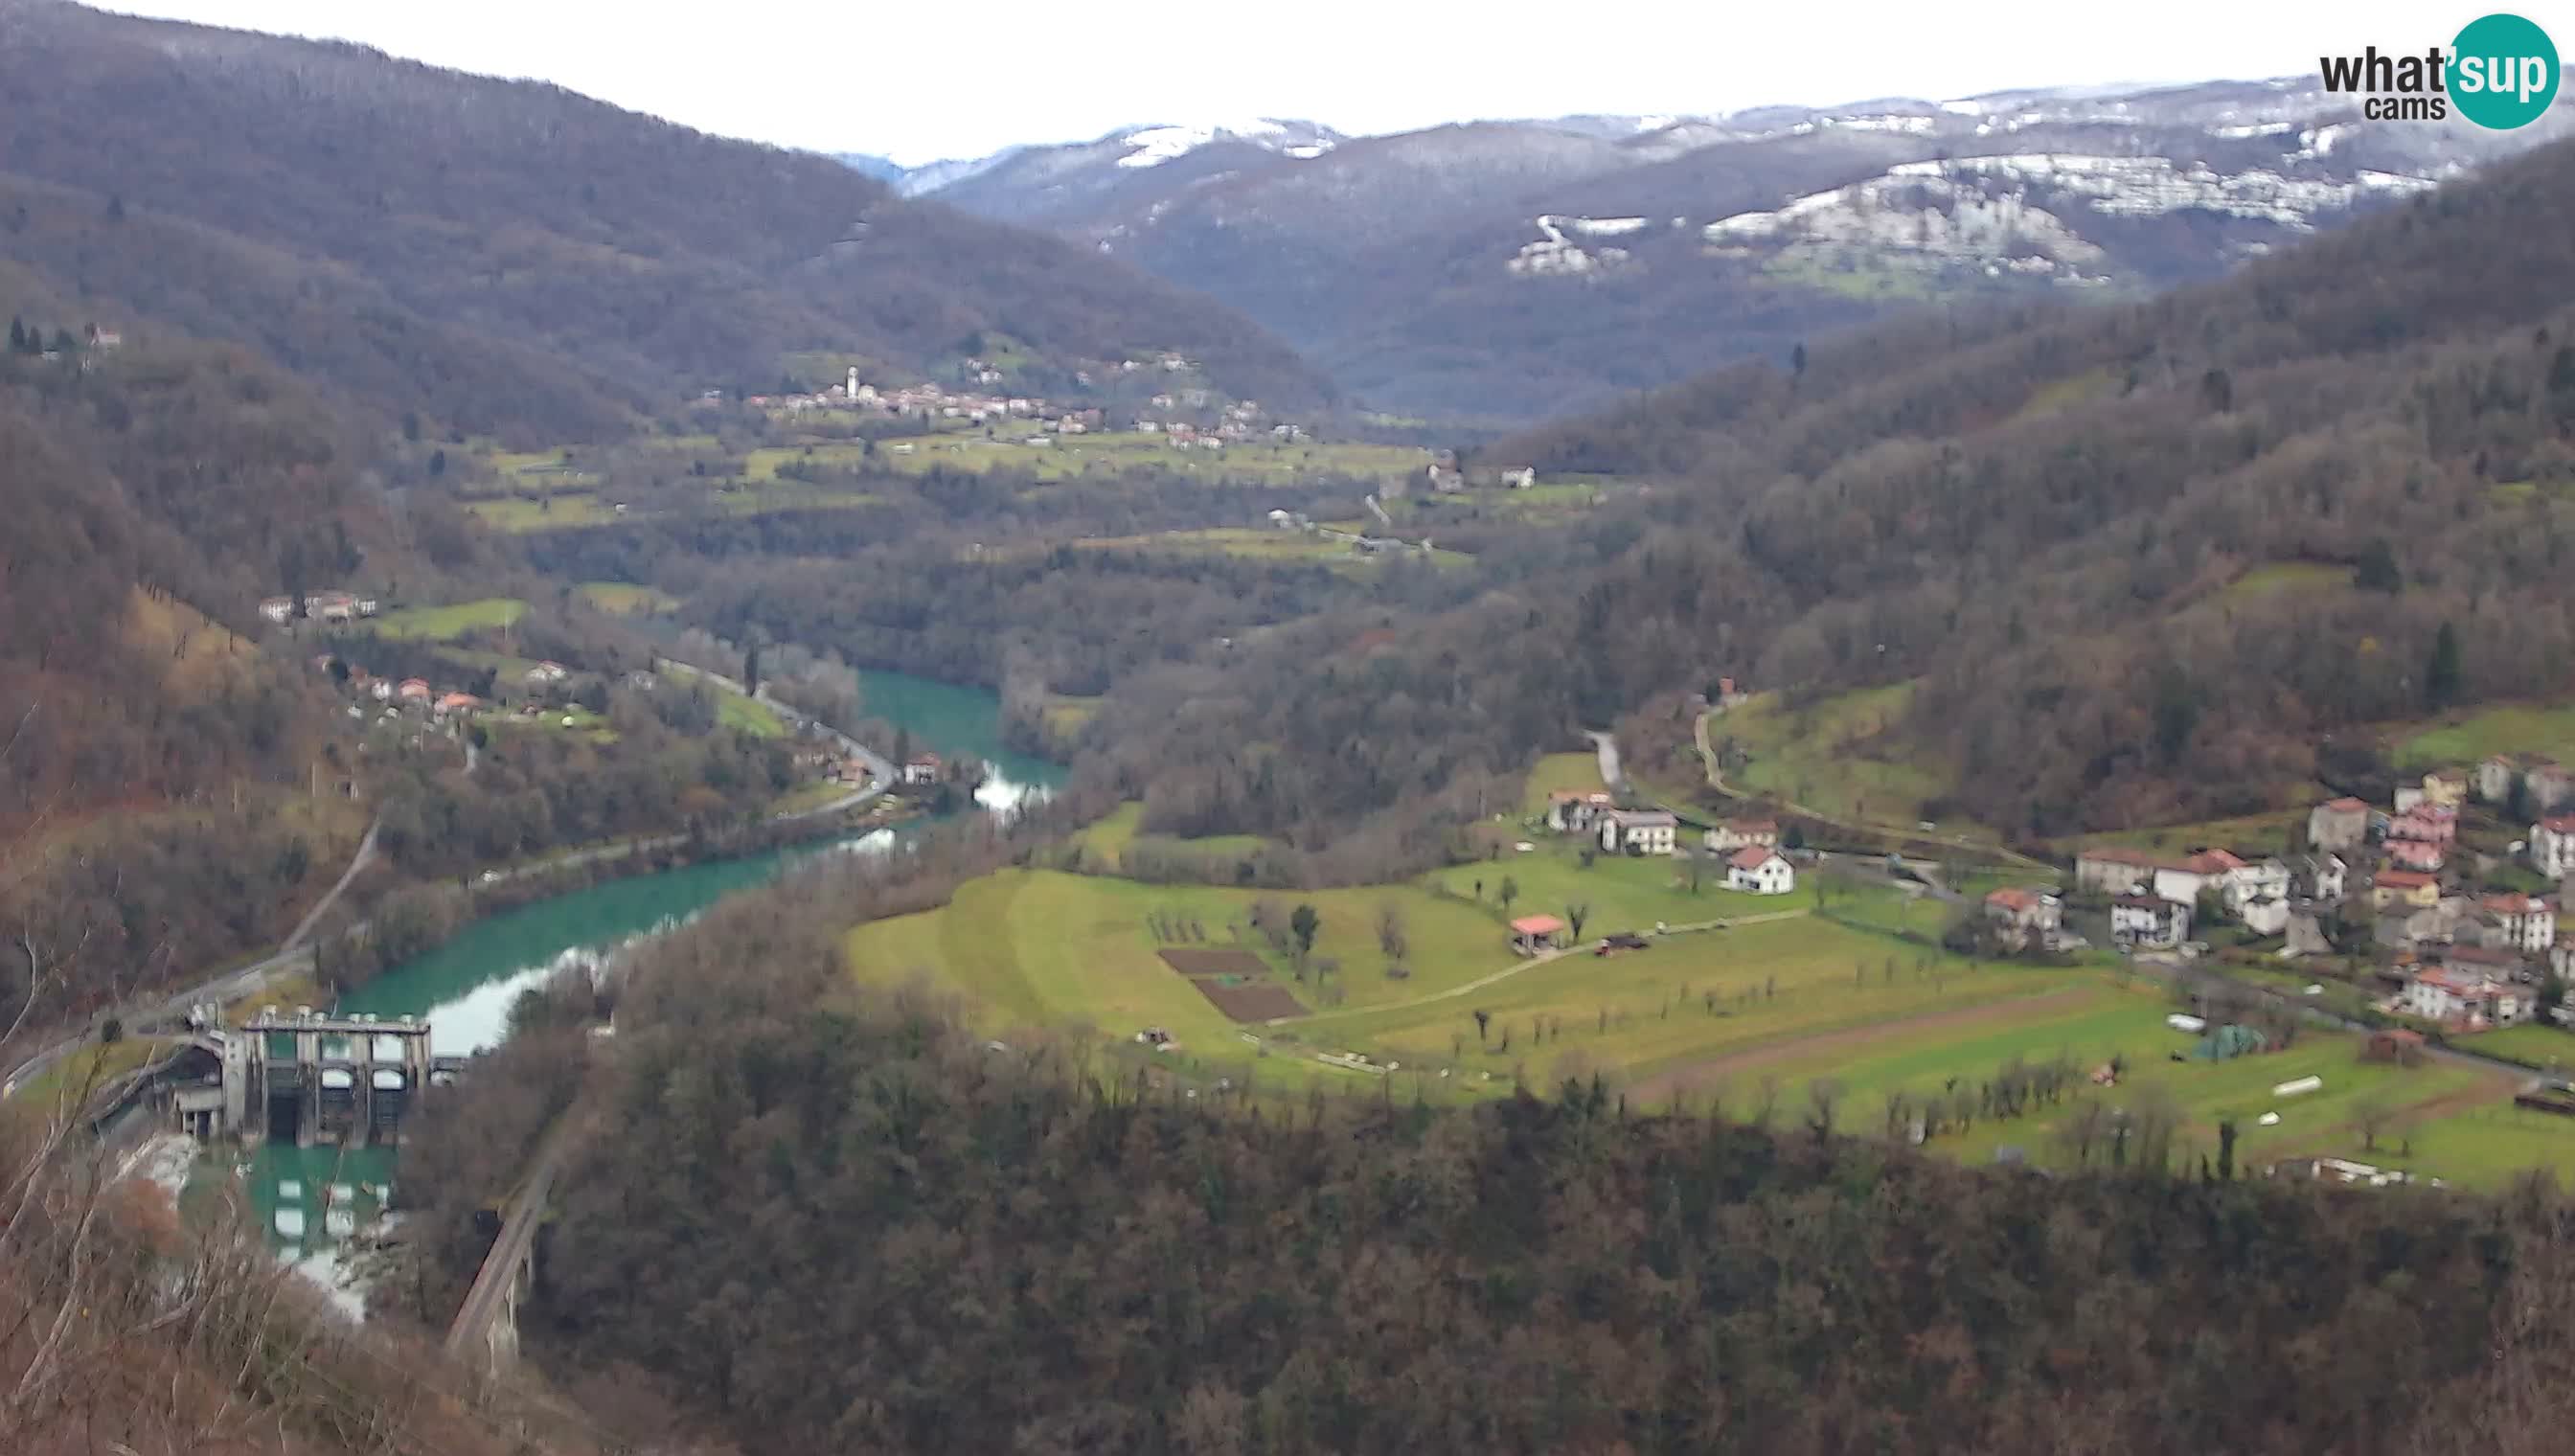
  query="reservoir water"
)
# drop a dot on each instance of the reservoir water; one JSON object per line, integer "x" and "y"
{"x": 310, "y": 1198}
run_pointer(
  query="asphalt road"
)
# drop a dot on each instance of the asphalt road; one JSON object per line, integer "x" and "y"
{"x": 1608, "y": 747}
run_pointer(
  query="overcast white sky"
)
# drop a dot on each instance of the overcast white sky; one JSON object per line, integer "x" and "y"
{"x": 924, "y": 81}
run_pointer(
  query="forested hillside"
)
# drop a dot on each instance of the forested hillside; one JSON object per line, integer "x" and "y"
{"x": 143, "y": 492}
{"x": 868, "y": 1230}
{"x": 509, "y": 256}
{"x": 2054, "y": 523}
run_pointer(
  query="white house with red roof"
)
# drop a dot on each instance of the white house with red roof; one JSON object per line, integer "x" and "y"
{"x": 2462, "y": 997}
{"x": 2340, "y": 826}
{"x": 2528, "y": 923}
{"x": 921, "y": 769}
{"x": 1572, "y": 811}
{"x": 2262, "y": 879}
{"x": 2022, "y": 916}
{"x": 2552, "y": 845}
{"x": 1761, "y": 871}
{"x": 2207, "y": 869}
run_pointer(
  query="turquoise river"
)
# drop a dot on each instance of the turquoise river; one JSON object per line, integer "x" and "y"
{"x": 311, "y": 1198}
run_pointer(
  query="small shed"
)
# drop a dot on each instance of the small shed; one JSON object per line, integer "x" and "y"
{"x": 2399, "y": 1045}
{"x": 1533, "y": 933}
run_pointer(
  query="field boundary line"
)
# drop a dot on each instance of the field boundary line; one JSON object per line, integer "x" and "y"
{"x": 1531, "y": 963}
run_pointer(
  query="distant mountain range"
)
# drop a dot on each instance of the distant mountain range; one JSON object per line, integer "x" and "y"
{"x": 1511, "y": 269}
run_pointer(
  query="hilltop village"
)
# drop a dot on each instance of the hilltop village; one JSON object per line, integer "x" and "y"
{"x": 1184, "y": 415}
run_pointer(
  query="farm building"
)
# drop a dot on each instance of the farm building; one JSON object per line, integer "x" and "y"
{"x": 1760, "y": 872}
{"x": 1533, "y": 933}
{"x": 1639, "y": 830}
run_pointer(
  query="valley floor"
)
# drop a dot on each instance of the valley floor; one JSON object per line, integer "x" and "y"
{"x": 1767, "y": 1007}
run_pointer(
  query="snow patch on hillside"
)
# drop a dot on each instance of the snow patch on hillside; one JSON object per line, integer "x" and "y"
{"x": 1556, "y": 256}
{"x": 1154, "y": 145}
{"x": 2154, "y": 186}
{"x": 1934, "y": 217}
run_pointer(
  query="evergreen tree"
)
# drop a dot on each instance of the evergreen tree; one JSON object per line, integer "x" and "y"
{"x": 2441, "y": 677}
{"x": 2217, "y": 390}
{"x": 2378, "y": 569}
{"x": 17, "y": 335}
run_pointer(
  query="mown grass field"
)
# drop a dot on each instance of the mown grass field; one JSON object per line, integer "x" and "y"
{"x": 2253, "y": 835}
{"x": 750, "y": 715}
{"x": 1040, "y": 950}
{"x": 2072, "y": 390}
{"x": 1827, "y": 755}
{"x": 1665, "y": 1015}
{"x": 624, "y": 598}
{"x": 2463, "y": 738}
{"x": 1577, "y": 771}
{"x": 554, "y": 719}
{"x": 2275, "y": 578}
{"x": 2487, "y": 1146}
{"x": 2098, "y": 1019}
{"x": 1051, "y": 948}
{"x": 1623, "y": 893}
{"x": 553, "y": 512}
{"x": 2532, "y": 1042}
{"x": 1757, "y": 1012}
{"x": 1065, "y": 714}
{"x": 1251, "y": 463}
{"x": 1847, "y": 274}
{"x": 446, "y": 624}
{"x": 1109, "y": 838}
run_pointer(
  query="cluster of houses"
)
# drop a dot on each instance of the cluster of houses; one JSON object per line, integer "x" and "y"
{"x": 1749, "y": 847}
{"x": 320, "y": 607}
{"x": 415, "y": 695}
{"x": 1444, "y": 476}
{"x": 932, "y": 403}
{"x": 2453, "y": 950}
